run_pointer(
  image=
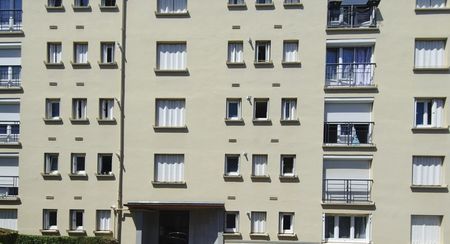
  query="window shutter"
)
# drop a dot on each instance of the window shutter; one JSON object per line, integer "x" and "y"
{"x": 427, "y": 170}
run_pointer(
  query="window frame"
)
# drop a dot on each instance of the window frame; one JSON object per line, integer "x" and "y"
{"x": 268, "y": 50}
{"x": 441, "y": 176}
{"x": 281, "y": 229}
{"x": 157, "y": 115}
{"x": 74, "y": 164}
{"x": 103, "y": 3}
{"x": 232, "y": 174}
{"x": 104, "y": 46}
{"x": 282, "y": 173}
{"x": 48, "y": 163}
{"x": 266, "y": 173}
{"x": 106, "y": 104}
{"x": 183, "y": 12}
{"x": 252, "y": 231}
{"x": 49, "y": 108}
{"x": 431, "y": 7}
{"x": 296, "y": 42}
{"x": 77, "y": 3}
{"x": 155, "y": 168}
{"x": 159, "y": 44}
{"x": 46, "y": 225}
{"x": 351, "y": 230}
{"x": 74, "y": 219}
{"x": 434, "y": 109}
{"x": 77, "y": 53}
{"x": 76, "y": 109}
{"x": 234, "y": 43}
{"x": 441, "y": 237}
{"x": 238, "y": 101}
{"x": 236, "y": 222}
{"x": 56, "y": 56}
{"x": 259, "y": 100}
{"x": 100, "y": 165}
{"x": 293, "y": 114}
{"x": 97, "y": 220}
{"x": 52, "y": 3}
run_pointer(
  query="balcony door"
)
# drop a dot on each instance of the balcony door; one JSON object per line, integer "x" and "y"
{"x": 9, "y": 174}
{"x": 346, "y": 180}
{"x": 10, "y": 13}
{"x": 349, "y": 66}
{"x": 174, "y": 227}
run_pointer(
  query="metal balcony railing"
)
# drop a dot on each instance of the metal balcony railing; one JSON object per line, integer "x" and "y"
{"x": 347, "y": 191}
{"x": 351, "y": 75}
{"x": 9, "y": 186}
{"x": 352, "y": 17}
{"x": 10, "y": 20}
{"x": 9, "y": 131}
{"x": 348, "y": 133}
{"x": 10, "y": 76}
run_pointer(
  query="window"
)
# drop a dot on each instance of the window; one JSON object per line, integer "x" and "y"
{"x": 431, "y": 3}
{"x": 232, "y": 165}
{"x": 107, "y": 52}
{"x": 79, "y": 109}
{"x": 52, "y": 109}
{"x": 259, "y": 165}
{"x": 105, "y": 164}
{"x": 10, "y": 56}
{"x": 80, "y": 53}
{"x": 427, "y": 171}
{"x": 169, "y": 168}
{"x": 291, "y": 1}
{"x": 232, "y": 222}
{"x": 76, "y": 220}
{"x": 288, "y": 165}
{"x": 346, "y": 228}
{"x": 103, "y": 220}
{"x": 430, "y": 54}
{"x": 262, "y": 51}
{"x": 286, "y": 223}
{"x": 349, "y": 66}
{"x": 54, "y": 3}
{"x": 235, "y": 52}
{"x": 106, "y": 109}
{"x": 236, "y": 2}
{"x": 81, "y": 3}
{"x": 290, "y": 51}
{"x": 50, "y": 219}
{"x": 172, "y": 56}
{"x": 233, "y": 109}
{"x": 261, "y": 109}
{"x": 170, "y": 113}
{"x": 258, "y": 222}
{"x": 78, "y": 164}
{"x": 8, "y": 219}
{"x": 429, "y": 112}
{"x": 108, "y": 3}
{"x": 172, "y": 6}
{"x": 263, "y": 1}
{"x": 289, "y": 109}
{"x": 51, "y": 163}
{"x": 54, "y": 53}
{"x": 426, "y": 229}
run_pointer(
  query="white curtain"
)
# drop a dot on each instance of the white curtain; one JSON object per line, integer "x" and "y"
{"x": 54, "y": 55}
{"x": 258, "y": 222}
{"x": 430, "y": 54}
{"x": 103, "y": 220}
{"x": 431, "y": 3}
{"x": 8, "y": 219}
{"x": 259, "y": 165}
{"x": 426, "y": 230}
{"x": 172, "y": 6}
{"x": 108, "y": 53}
{"x": 290, "y": 52}
{"x": 437, "y": 113}
{"x": 169, "y": 168}
{"x": 107, "y": 106}
{"x": 172, "y": 56}
{"x": 235, "y": 52}
{"x": 81, "y": 52}
{"x": 170, "y": 113}
{"x": 427, "y": 170}
{"x": 79, "y": 109}
{"x": 289, "y": 109}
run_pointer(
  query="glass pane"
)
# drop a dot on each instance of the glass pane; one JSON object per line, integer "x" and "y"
{"x": 232, "y": 164}
{"x": 420, "y": 109}
{"x": 232, "y": 110}
{"x": 288, "y": 165}
{"x": 344, "y": 227}
{"x": 261, "y": 110}
{"x": 360, "y": 227}
{"x": 329, "y": 227}
{"x": 231, "y": 221}
{"x": 287, "y": 219}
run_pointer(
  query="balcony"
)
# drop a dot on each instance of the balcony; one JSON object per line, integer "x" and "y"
{"x": 10, "y": 20}
{"x": 347, "y": 191}
{"x": 9, "y": 132}
{"x": 348, "y": 133}
{"x": 9, "y": 187}
{"x": 352, "y": 75}
{"x": 10, "y": 77}
{"x": 352, "y": 14}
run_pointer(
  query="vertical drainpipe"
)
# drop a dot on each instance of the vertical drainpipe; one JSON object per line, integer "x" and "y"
{"x": 122, "y": 122}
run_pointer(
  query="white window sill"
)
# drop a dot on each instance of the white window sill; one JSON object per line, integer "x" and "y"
{"x": 53, "y": 120}
{"x": 262, "y": 121}
{"x": 235, "y": 64}
{"x": 232, "y": 234}
{"x": 102, "y": 232}
{"x": 170, "y": 128}
{"x": 78, "y": 175}
{"x": 289, "y": 121}
{"x": 105, "y": 176}
{"x": 55, "y": 8}
{"x": 444, "y": 9}
{"x": 291, "y": 64}
{"x": 49, "y": 231}
{"x": 429, "y": 187}
{"x": 265, "y": 5}
{"x": 287, "y": 235}
{"x": 431, "y": 129}
{"x": 259, "y": 235}
{"x": 76, "y": 232}
{"x": 107, "y": 65}
{"x": 263, "y": 63}
{"x": 54, "y": 65}
{"x": 108, "y": 8}
{"x": 232, "y": 177}
{"x": 79, "y": 121}
{"x": 51, "y": 175}
{"x": 353, "y": 29}
{"x": 430, "y": 69}
{"x": 81, "y": 8}
{"x": 234, "y": 121}
{"x": 106, "y": 121}
{"x": 181, "y": 184}
{"x": 173, "y": 15}
{"x": 171, "y": 71}
{"x": 236, "y": 6}
{"x": 86, "y": 65}
{"x": 293, "y": 4}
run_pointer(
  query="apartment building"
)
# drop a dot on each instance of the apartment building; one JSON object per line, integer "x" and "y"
{"x": 234, "y": 121}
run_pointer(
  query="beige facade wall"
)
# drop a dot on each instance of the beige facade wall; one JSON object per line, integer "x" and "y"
{"x": 206, "y": 32}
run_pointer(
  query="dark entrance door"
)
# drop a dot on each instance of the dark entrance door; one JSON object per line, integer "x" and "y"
{"x": 174, "y": 227}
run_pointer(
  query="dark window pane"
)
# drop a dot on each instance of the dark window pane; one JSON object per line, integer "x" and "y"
{"x": 329, "y": 227}
{"x": 80, "y": 163}
{"x": 55, "y": 109}
{"x": 420, "y": 109}
{"x": 344, "y": 227}
{"x": 231, "y": 221}
{"x": 233, "y": 110}
{"x": 261, "y": 110}
{"x": 360, "y": 227}
{"x": 52, "y": 218}
{"x": 288, "y": 165}
{"x": 287, "y": 219}
{"x": 79, "y": 219}
{"x": 106, "y": 164}
{"x": 232, "y": 164}
{"x": 261, "y": 53}
{"x": 15, "y": 129}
